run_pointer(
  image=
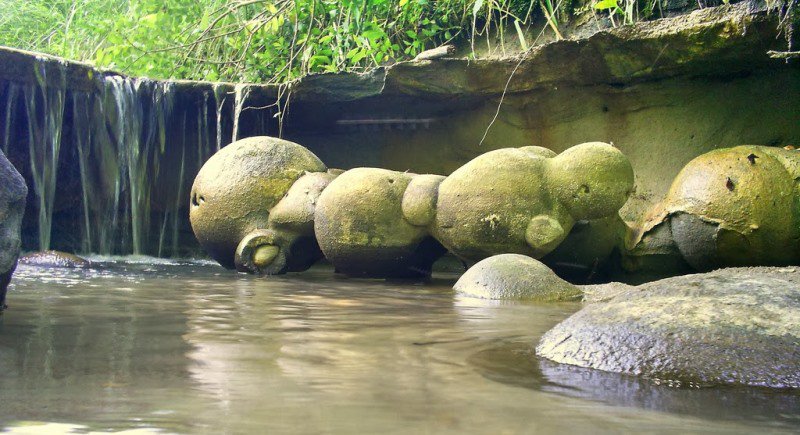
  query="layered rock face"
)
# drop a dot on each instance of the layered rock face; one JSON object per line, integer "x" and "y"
{"x": 12, "y": 207}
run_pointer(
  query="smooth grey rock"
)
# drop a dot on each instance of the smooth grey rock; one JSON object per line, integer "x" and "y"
{"x": 12, "y": 207}
{"x": 54, "y": 259}
{"x": 731, "y": 326}
{"x": 515, "y": 277}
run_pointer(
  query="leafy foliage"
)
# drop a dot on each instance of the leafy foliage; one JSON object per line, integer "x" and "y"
{"x": 250, "y": 40}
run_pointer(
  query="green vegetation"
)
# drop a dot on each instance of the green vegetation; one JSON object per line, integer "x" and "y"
{"x": 255, "y": 40}
{"x": 279, "y": 40}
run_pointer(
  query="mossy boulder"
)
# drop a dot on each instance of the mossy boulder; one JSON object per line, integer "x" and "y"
{"x": 732, "y": 326}
{"x": 526, "y": 200}
{"x": 361, "y": 228}
{"x": 240, "y": 188}
{"x": 729, "y": 207}
{"x": 515, "y": 277}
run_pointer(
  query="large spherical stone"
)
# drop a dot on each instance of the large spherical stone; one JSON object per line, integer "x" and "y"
{"x": 731, "y": 326}
{"x": 361, "y": 229}
{"x": 515, "y": 277}
{"x": 526, "y": 200}
{"x": 239, "y": 185}
{"x": 733, "y": 207}
{"x": 484, "y": 207}
{"x": 592, "y": 180}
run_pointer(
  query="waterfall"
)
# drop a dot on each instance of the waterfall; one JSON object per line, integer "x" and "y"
{"x": 241, "y": 92}
{"x": 219, "y": 99}
{"x": 111, "y": 161}
{"x": 11, "y": 99}
{"x": 44, "y": 144}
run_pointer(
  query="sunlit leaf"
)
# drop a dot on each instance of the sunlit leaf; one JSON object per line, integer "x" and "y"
{"x": 606, "y": 4}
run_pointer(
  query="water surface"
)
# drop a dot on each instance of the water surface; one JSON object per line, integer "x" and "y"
{"x": 157, "y": 346}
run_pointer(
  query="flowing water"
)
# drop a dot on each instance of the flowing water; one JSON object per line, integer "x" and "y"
{"x": 150, "y": 345}
{"x": 132, "y": 145}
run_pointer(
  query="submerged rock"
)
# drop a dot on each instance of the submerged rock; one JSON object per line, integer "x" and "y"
{"x": 729, "y": 207}
{"x": 12, "y": 207}
{"x": 732, "y": 326}
{"x": 515, "y": 277}
{"x": 54, "y": 259}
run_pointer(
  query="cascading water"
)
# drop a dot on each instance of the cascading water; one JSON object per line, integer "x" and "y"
{"x": 241, "y": 92}
{"x": 44, "y": 144}
{"x": 130, "y": 149}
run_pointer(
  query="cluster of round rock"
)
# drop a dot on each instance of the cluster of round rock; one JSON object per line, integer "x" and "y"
{"x": 266, "y": 205}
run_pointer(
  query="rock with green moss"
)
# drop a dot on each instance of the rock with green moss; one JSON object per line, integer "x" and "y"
{"x": 361, "y": 225}
{"x": 266, "y": 205}
{"x": 515, "y": 277}
{"x": 252, "y": 205}
{"x": 731, "y": 326}
{"x": 729, "y": 207}
{"x": 526, "y": 200}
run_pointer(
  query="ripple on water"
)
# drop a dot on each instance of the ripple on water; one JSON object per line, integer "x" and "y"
{"x": 183, "y": 346}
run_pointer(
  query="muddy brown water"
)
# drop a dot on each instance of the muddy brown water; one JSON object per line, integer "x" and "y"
{"x": 153, "y": 346}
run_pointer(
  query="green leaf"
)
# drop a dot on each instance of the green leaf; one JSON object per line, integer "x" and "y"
{"x": 373, "y": 34}
{"x": 149, "y": 20}
{"x": 521, "y": 36}
{"x": 606, "y": 4}
{"x": 358, "y": 56}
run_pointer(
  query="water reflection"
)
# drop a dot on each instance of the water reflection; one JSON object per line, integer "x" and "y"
{"x": 515, "y": 363}
{"x": 189, "y": 347}
{"x": 80, "y": 343}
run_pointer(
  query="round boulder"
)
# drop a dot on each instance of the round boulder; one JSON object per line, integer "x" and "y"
{"x": 732, "y": 326}
{"x": 362, "y": 231}
{"x": 515, "y": 277}
{"x": 729, "y": 207}
{"x": 236, "y": 189}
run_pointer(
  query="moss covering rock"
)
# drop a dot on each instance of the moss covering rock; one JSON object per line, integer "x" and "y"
{"x": 731, "y": 326}
{"x": 526, "y": 200}
{"x": 361, "y": 228}
{"x": 729, "y": 207}
{"x": 235, "y": 193}
{"x": 515, "y": 277}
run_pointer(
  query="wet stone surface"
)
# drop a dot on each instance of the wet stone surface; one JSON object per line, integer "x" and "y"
{"x": 189, "y": 347}
{"x": 738, "y": 326}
